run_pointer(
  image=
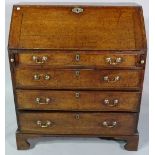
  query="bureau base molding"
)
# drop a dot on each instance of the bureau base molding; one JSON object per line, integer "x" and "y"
{"x": 23, "y": 144}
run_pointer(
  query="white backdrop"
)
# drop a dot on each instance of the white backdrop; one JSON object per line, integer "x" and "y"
{"x": 74, "y": 146}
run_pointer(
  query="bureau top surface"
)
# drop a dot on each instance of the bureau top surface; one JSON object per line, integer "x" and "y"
{"x": 77, "y": 28}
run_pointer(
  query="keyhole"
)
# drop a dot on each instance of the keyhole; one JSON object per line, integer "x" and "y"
{"x": 77, "y": 116}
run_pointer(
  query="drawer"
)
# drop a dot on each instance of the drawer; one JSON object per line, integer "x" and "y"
{"x": 78, "y": 100}
{"x": 78, "y": 123}
{"x": 78, "y": 79}
{"x": 73, "y": 59}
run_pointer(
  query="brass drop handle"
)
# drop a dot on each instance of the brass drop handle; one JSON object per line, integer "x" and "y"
{"x": 107, "y": 79}
{"x": 38, "y": 101}
{"x": 111, "y": 104}
{"x": 114, "y": 61}
{"x": 38, "y": 60}
{"x": 45, "y": 124}
{"x": 108, "y": 124}
{"x": 38, "y": 77}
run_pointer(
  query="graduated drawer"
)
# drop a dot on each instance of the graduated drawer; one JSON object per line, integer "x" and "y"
{"x": 78, "y": 79}
{"x": 78, "y": 123}
{"x": 73, "y": 59}
{"x": 78, "y": 100}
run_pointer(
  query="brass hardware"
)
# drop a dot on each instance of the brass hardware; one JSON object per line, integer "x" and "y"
{"x": 106, "y": 101}
{"x": 115, "y": 79}
{"x": 36, "y": 77}
{"x": 114, "y": 61}
{"x": 109, "y": 124}
{"x": 77, "y": 95}
{"x": 12, "y": 60}
{"x": 77, "y": 73}
{"x": 77, "y": 116}
{"x": 142, "y": 61}
{"x": 18, "y": 8}
{"x": 77, "y": 57}
{"x": 47, "y": 77}
{"x": 47, "y": 100}
{"x": 114, "y": 103}
{"x": 77, "y": 10}
{"x": 39, "y": 60}
{"x": 38, "y": 100}
{"x": 44, "y": 124}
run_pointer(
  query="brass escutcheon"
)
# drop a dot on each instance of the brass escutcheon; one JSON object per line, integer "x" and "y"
{"x": 77, "y": 10}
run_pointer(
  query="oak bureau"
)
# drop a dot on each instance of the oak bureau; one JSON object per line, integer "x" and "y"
{"x": 77, "y": 71}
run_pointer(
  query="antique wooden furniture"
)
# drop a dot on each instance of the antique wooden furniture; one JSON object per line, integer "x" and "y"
{"x": 77, "y": 71}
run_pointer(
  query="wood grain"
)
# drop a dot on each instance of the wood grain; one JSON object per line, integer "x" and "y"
{"x": 106, "y": 28}
{"x": 87, "y": 123}
{"x": 86, "y": 79}
{"x": 87, "y": 100}
{"x": 58, "y": 33}
{"x": 85, "y": 58}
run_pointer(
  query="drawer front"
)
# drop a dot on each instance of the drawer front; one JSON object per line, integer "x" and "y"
{"x": 72, "y": 59}
{"x": 78, "y": 100}
{"x": 84, "y": 79}
{"x": 78, "y": 123}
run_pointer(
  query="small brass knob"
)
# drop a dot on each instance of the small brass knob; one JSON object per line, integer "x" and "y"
{"x": 18, "y": 8}
{"x": 142, "y": 61}
{"x": 12, "y": 60}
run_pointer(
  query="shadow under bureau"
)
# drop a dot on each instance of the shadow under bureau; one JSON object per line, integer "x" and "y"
{"x": 77, "y": 71}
